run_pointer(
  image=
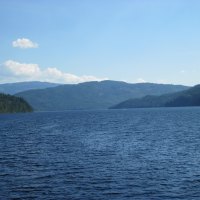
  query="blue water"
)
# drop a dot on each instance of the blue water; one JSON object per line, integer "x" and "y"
{"x": 106, "y": 154}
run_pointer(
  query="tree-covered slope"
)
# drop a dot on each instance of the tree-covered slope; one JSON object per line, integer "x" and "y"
{"x": 12, "y": 104}
{"x": 92, "y": 95}
{"x": 189, "y": 97}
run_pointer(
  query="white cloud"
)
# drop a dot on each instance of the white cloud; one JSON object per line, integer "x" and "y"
{"x": 24, "y": 43}
{"x": 141, "y": 80}
{"x": 16, "y": 71}
{"x": 162, "y": 81}
{"x": 22, "y": 69}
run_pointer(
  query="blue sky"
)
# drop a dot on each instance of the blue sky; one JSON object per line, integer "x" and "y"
{"x": 81, "y": 40}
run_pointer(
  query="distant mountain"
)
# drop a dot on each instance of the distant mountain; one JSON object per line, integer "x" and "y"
{"x": 92, "y": 95}
{"x": 189, "y": 97}
{"x": 12, "y": 104}
{"x": 12, "y": 88}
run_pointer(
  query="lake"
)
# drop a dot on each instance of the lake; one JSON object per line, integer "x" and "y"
{"x": 102, "y": 154}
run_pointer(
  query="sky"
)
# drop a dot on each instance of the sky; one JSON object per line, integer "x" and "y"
{"x": 67, "y": 41}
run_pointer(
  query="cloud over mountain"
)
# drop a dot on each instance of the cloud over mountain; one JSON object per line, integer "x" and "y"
{"x": 29, "y": 72}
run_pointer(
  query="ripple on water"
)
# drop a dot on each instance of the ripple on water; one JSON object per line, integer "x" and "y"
{"x": 125, "y": 154}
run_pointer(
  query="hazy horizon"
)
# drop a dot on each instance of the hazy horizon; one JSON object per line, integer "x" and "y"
{"x": 95, "y": 81}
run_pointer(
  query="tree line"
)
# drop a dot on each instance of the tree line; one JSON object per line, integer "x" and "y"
{"x": 12, "y": 104}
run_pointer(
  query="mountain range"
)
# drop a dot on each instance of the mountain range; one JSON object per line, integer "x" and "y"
{"x": 92, "y": 95}
{"x": 189, "y": 97}
{"x": 13, "y": 88}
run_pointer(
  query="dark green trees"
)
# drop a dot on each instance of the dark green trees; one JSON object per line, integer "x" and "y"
{"x": 12, "y": 104}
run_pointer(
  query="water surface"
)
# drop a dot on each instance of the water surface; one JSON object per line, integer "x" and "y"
{"x": 105, "y": 154}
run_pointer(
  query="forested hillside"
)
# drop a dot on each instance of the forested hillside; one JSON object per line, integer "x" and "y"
{"x": 189, "y": 97}
{"x": 12, "y": 104}
{"x": 92, "y": 95}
